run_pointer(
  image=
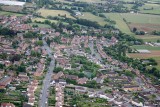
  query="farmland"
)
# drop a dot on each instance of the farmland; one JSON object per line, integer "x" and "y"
{"x": 144, "y": 22}
{"x": 46, "y": 12}
{"x": 119, "y": 22}
{"x": 155, "y": 53}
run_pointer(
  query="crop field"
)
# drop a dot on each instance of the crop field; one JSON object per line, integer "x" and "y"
{"x": 9, "y": 13}
{"x": 145, "y": 55}
{"x": 145, "y": 27}
{"x": 144, "y": 22}
{"x": 146, "y": 47}
{"x": 91, "y": 17}
{"x": 119, "y": 22}
{"x": 46, "y": 12}
{"x": 12, "y": 8}
{"x": 148, "y": 38}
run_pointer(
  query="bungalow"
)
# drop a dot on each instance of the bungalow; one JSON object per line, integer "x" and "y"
{"x": 72, "y": 77}
{"x": 81, "y": 89}
{"x": 23, "y": 76}
{"x": 82, "y": 80}
{"x": 58, "y": 75}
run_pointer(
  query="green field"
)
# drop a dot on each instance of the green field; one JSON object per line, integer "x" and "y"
{"x": 40, "y": 25}
{"x": 152, "y": 8}
{"x": 148, "y": 38}
{"x": 10, "y": 13}
{"x": 140, "y": 19}
{"x": 91, "y": 17}
{"x": 146, "y": 47}
{"x": 42, "y": 20}
{"x": 119, "y": 22}
{"x": 46, "y": 12}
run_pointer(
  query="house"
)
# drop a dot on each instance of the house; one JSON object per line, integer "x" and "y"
{"x": 72, "y": 77}
{"x": 5, "y": 81}
{"x": 7, "y": 105}
{"x": 58, "y": 75}
{"x": 136, "y": 103}
{"x": 62, "y": 81}
{"x": 118, "y": 101}
{"x": 132, "y": 88}
{"x": 26, "y": 105}
{"x": 82, "y": 80}
{"x": 98, "y": 80}
{"x": 81, "y": 89}
{"x": 23, "y": 76}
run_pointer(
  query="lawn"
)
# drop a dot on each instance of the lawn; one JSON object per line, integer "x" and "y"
{"x": 46, "y": 12}
{"x": 10, "y": 13}
{"x": 91, "y": 17}
{"x": 119, "y": 22}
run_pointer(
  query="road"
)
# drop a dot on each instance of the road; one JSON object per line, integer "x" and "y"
{"x": 43, "y": 102}
{"x": 91, "y": 46}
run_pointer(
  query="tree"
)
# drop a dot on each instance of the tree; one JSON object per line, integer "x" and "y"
{"x": 57, "y": 69}
{"x": 134, "y": 29}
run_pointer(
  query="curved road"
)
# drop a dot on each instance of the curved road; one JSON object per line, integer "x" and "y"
{"x": 43, "y": 102}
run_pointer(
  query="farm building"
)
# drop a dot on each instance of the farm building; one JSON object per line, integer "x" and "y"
{"x": 157, "y": 44}
{"x": 143, "y": 51}
{"x": 16, "y": 3}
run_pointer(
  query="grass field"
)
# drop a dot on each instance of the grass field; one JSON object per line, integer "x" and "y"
{"x": 42, "y": 20}
{"x": 46, "y": 12}
{"x": 144, "y": 22}
{"x": 91, "y": 17}
{"x": 146, "y": 47}
{"x": 151, "y": 8}
{"x": 119, "y": 22}
{"x": 148, "y": 38}
{"x": 10, "y": 13}
{"x": 40, "y": 25}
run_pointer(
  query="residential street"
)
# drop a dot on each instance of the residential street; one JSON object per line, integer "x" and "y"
{"x": 43, "y": 102}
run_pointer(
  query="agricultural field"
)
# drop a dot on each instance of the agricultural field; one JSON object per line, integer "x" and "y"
{"x": 119, "y": 22}
{"x": 91, "y": 17}
{"x": 46, "y": 12}
{"x": 148, "y": 38}
{"x": 12, "y": 8}
{"x": 143, "y": 22}
{"x": 155, "y": 53}
{"x": 9, "y": 13}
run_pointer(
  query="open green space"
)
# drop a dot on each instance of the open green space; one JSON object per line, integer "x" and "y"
{"x": 148, "y": 38}
{"x": 9, "y": 13}
{"x": 91, "y": 17}
{"x": 47, "y": 12}
{"x": 40, "y": 25}
{"x": 146, "y": 47}
{"x": 119, "y": 22}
